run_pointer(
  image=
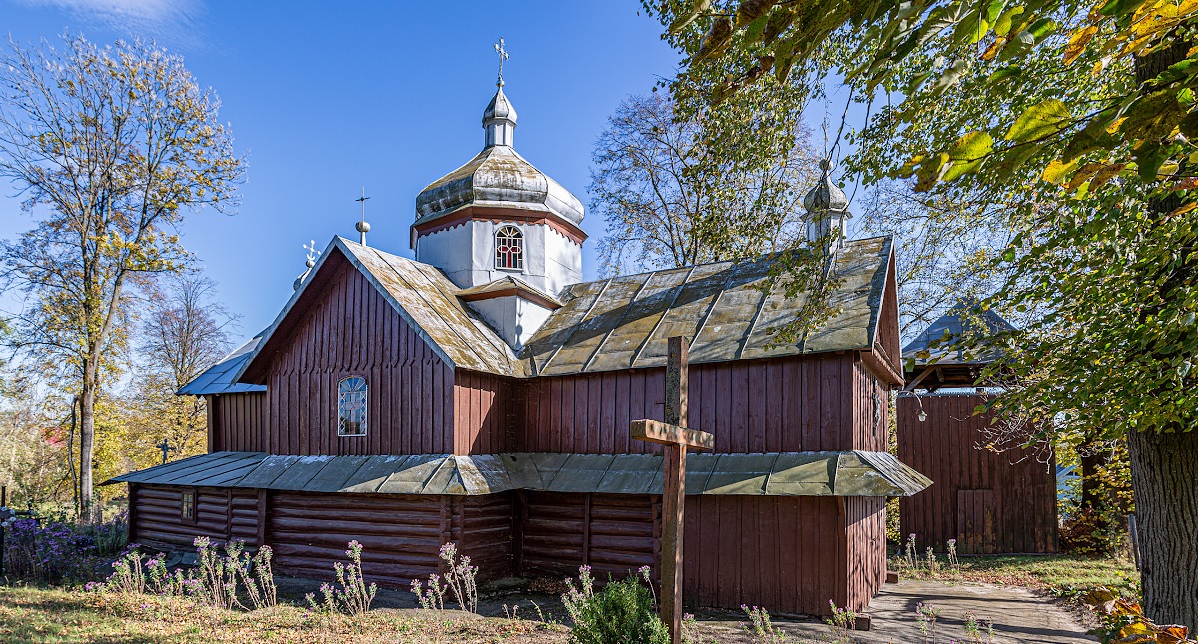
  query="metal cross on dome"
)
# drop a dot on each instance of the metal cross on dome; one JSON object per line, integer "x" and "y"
{"x": 499, "y": 49}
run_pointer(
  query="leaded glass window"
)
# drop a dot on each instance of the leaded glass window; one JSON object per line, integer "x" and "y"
{"x": 351, "y": 406}
{"x": 509, "y": 248}
{"x": 187, "y": 506}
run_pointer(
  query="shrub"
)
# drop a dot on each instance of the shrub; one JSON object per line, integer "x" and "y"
{"x": 622, "y": 612}
{"x": 52, "y": 553}
{"x": 354, "y": 596}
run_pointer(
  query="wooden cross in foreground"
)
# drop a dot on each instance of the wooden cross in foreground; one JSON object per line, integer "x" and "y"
{"x": 676, "y": 437}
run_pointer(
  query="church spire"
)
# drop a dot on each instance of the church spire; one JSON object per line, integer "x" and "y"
{"x": 499, "y": 119}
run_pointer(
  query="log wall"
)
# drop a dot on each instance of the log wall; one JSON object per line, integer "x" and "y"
{"x": 353, "y": 330}
{"x": 989, "y": 502}
{"x": 221, "y": 514}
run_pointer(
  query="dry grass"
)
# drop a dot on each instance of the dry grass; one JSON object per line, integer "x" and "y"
{"x": 33, "y": 614}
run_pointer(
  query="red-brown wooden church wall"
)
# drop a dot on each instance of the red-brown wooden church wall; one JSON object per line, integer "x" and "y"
{"x": 155, "y": 516}
{"x": 866, "y": 533}
{"x": 821, "y": 402}
{"x": 789, "y": 554}
{"x": 400, "y": 534}
{"x": 483, "y": 412}
{"x": 237, "y": 422}
{"x": 989, "y": 502}
{"x": 355, "y": 331}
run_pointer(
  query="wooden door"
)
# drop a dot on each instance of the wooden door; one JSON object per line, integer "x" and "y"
{"x": 975, "y": 522}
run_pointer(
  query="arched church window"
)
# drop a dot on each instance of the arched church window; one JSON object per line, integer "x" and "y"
{"x": 509, "y": 248}
{"x": 351, "y": 406}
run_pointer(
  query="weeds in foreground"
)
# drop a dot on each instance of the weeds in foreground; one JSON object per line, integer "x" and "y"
{"x": 926, "y": 616}
{"x": 843, "y": 623}
{"x": 213, "y": 582}
{"x": 459, "y": 579}
{"x": 976, "y": 628}
{"x": 760, "y": 627}
{"x": 354, "y": 596}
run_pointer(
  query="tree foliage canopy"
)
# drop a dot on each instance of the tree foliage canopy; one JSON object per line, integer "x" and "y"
{"x": 671, "y": 198}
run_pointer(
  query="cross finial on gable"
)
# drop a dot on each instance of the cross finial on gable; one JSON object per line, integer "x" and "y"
{"x": 362, "y": 226}
{"x": 503, "y": 55}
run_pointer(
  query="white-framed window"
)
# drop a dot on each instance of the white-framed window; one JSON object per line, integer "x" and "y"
{"x": 351, "y": 406}
{"x": 509, "y": 248}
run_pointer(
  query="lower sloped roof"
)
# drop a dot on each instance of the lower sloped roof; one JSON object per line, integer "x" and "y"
{"x": 832, "y": 473}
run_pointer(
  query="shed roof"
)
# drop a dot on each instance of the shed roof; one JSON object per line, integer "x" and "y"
{"x": 725, "y": 309}
{"x": 848, "y": 473}
{"x": 220, "y": 377}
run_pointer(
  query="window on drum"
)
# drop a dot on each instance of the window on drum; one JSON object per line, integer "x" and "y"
{"x": 351, "y": 406}
{"x": 509, "y": 249}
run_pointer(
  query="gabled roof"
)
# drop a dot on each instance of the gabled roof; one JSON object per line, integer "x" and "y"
{"x": 847, "y": 473}
{"x": 506, "y": 286}
{"x": 723, "y": 308}
{"x": 422, "y": 296}
{"x": 947, "y": 340}
{"x": 219, "y": 378}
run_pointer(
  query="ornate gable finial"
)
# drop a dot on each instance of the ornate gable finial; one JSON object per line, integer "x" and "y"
{"x": 313, "y": 253}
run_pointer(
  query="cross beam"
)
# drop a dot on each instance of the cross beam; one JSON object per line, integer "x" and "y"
{"x": 676, "y": 438}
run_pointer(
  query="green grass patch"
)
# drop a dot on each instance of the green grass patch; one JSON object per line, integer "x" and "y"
{"x": 1063, "y": 575}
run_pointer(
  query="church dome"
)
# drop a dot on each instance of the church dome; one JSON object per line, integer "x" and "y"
{"x": 497, "y": 177}
{"x": 826, "y": 195}
{"x": 499, "y": 108}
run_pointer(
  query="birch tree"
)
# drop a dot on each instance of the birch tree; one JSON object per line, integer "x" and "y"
{"x": 110, "y": 147}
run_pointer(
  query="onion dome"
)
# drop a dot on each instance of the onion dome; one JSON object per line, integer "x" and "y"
{"x": 497, "y": 177}
{"x": 826, "y": 196}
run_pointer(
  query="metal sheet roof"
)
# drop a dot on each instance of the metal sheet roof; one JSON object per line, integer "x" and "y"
{"x": 850, "y": 473}
{"x": 219, "y": 378}
{"x": 724, "y": 309}
{"x": 948, "y": 339}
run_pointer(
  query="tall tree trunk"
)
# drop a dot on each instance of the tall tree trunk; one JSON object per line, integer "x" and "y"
{"x": 1164, "y": 466}
{"x": 1164, "y": 475}
{"x": 87, "y": 449}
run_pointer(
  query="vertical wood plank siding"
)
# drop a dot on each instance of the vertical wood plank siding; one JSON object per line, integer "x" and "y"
{"x": 789, "y": 554}
{"x": 990, "y": 502}
{"x": 237, "y": 422}
{"x": 354, "y": 331}
{"x": 481, "y": 415}
{"x": 812, "y": 403}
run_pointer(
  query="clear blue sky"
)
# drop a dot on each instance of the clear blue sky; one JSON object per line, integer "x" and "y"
{"x": 326, "y": 97}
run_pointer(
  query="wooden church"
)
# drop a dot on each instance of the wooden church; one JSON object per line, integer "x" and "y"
{"x": 482, "y": 394}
